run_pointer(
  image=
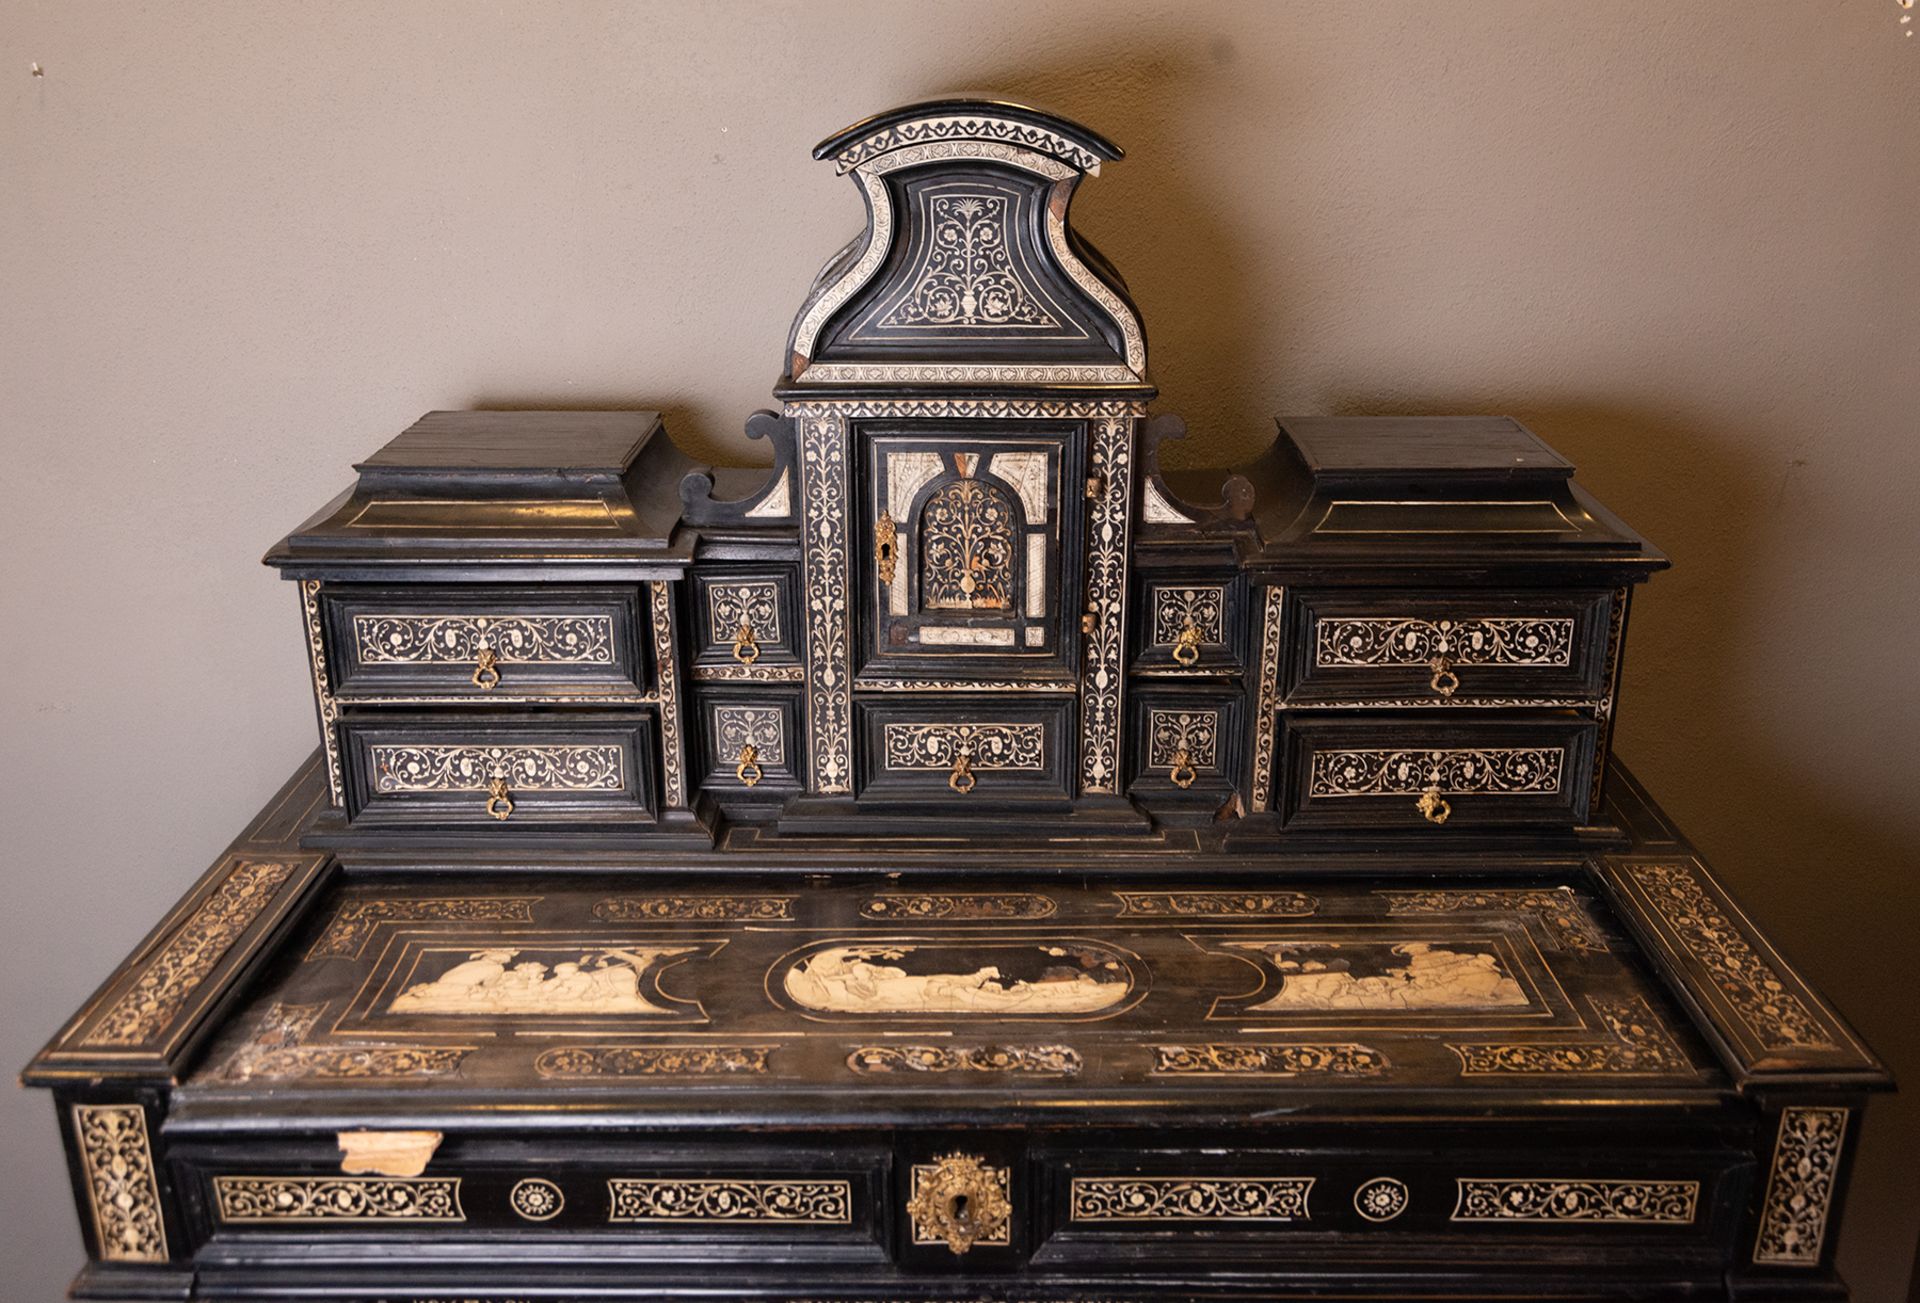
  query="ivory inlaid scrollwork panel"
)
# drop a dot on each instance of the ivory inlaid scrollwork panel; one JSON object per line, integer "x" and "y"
{"x": 1801, "y": 1186}
{"x": 761, "y": 727}
{"x": 1174, "y": 608}
{"x": 1636, "y": 1043}
{"x": 936, "y": 1060}
{"x": 1215, "y": 904}
{"x": 706, "y": 1200}
{"x": 1552, "y": 1201}
{"x": 427, "y": 638}
{"x": 1395, "y": 640}
{"x": 1191, "y": 737}
{"x": 934, "y": 745}
{"x": 582, "y": 1062}
{"x": 336, "y": 1200}
{"x": 169, "y": 980}
{"x": 1454, "y": 771}
{"x": 1189, "y": 1199}
{"x": 753, "y": 604}
{"x": 437, "y": 767}
{"x": 1244, "y": 1059}
{"x": 116, "y": 1158}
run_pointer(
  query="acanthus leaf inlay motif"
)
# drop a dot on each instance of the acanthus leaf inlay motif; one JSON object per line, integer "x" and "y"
{"x": 573, "y": 639}
{"x": 1543, "y": 641}
{"x": 1144, "y": 1198}
{"x": 1642, "y": 1202}
{"x": 817, "y": 1202}
{"x": 241, "y": 1200}
{"x": 434, "y": 767}
{"x": 1339, "y": 1059}
{"x": 986, "y": 746}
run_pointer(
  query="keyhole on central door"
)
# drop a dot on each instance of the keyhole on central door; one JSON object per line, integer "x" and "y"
{"x": 957, "y": 1209}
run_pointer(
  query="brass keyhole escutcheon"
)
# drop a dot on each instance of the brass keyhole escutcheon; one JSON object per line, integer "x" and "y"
{"x": 486, "y": 669}
{"x": 745, "y": 649}
{"x": 1183, "y": 772}
{"x": 1433, "y": 806}
{"x": 748, "y": 768}
{"x": 1444, "y": 680}
{"x": 959, "y": 1201}
{"x": 499, "y": 804}
{"x": 960, "y": 778}
{"x": 884, "y": 534}
{"x": 1186, "y": 647}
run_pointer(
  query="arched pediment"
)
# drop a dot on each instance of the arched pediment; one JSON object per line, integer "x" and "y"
{"x": 968, "y": 271}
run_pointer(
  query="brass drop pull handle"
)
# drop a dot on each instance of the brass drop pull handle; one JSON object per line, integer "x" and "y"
{"x": 884, "y": 534}
{"x": 1186, "y": 647}
{"x": 748, "y": 769}
{"x": 1444, "y": 680}
{"x": 499, "y": 804}
{"x": 1432, "y": 806}
{"x": 1183, "y": 772}
{"x": 745, "y": 649}
{"x": 486, "y": 669}
{"x": 960, "y": 778}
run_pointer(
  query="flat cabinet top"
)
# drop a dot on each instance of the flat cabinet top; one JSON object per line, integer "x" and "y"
{"x": 556, "y": 489}
{"x": 814, "y": 1002}
{"x": 1431, "y": 489}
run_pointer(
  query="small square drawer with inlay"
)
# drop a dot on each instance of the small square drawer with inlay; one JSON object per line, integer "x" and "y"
{"x": 972, "y": 749}
{"x": 1433, "y": 648}
{"x": 744, "y": 618}
{"x": 1185, "y": 743}
{"x": 482, "y": 642}
{"x": 1422, "y": 770}
{"x": 749, "y": 741}
{"x": 446, "y": 772}
{"x": 1193, "y": 625}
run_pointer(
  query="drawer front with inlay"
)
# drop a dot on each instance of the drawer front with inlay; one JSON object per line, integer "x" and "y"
{"x": 1190, "y": 626}
{"x": 749, "y": 741}
{"x": 968, "y": 749}
{"x": 1447, "y": 648}
{"x": 744, "y": 622}
{"x": 1421, "y": 771}
{"x": 485, "y": 643}
{"x": 531, "y": 773}
{"x": 1186, "y": 745}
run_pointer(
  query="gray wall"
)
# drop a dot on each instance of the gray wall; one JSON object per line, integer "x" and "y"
{"x": 243, "y": 243}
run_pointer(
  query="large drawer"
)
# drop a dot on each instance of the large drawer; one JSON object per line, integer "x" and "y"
{"x": 947, "y": 750}
{"x": 1420, "y": 770}
{"x": 484, "y": 642}
{"x": 529, "y": 773}
{"x": 1429, "y": 647}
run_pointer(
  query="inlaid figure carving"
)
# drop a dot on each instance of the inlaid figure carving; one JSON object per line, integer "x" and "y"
{"x": 489, "y": 982}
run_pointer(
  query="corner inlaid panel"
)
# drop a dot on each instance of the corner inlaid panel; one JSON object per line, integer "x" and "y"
{"x": 1084, "y": 992}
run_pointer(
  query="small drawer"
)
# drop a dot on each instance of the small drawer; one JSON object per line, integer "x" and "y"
{"x": 1419, "y": 771}
{"x": 749, "y": 742}
{"x": 744, "y": 617}
{"x": 435, "y": 771}
{"x": 1186, "y": 745}
{"x": 967, "y": 749}
{"x": 1191, "y": 626}
{"x": 482, "y": 642}
{"x": 1435, "y": 648}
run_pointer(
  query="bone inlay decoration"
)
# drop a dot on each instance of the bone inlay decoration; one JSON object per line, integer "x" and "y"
{"x": 1199, "y": 605}
{"x": 1190, "y": 1199}
{"x": 761, "y": 727}
{"x": 754, "y": 603}
{"x": 1551, "y": 1201}
{"x": 1530, "y": 771}
{"x": 1001, "y": 977}
{"x": 570, "y": 639}
{"x": 819, "y": 1202}
{"x": 1801, "y": 1186}
{"x": 1393, "y": 640}
{"x": 490, "y": 981}
{"x": 241, "y": 1200}
{"x": 1176, "y": 734}
{"x": 1238, "y": 1059}
{"x": 429, "y": 767}
{"x": 122, "y": 1192}
{"x": 967, "y": 277}
{"x": 986, "y": 746}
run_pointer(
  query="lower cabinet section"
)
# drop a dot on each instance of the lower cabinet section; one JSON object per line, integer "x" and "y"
{"x": 1417, "y": 771}
{"x": 1036, "y": 1206}
{"x": 573, "y": 770}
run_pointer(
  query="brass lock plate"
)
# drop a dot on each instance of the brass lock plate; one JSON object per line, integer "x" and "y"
{"x": 960, "y": 1202}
